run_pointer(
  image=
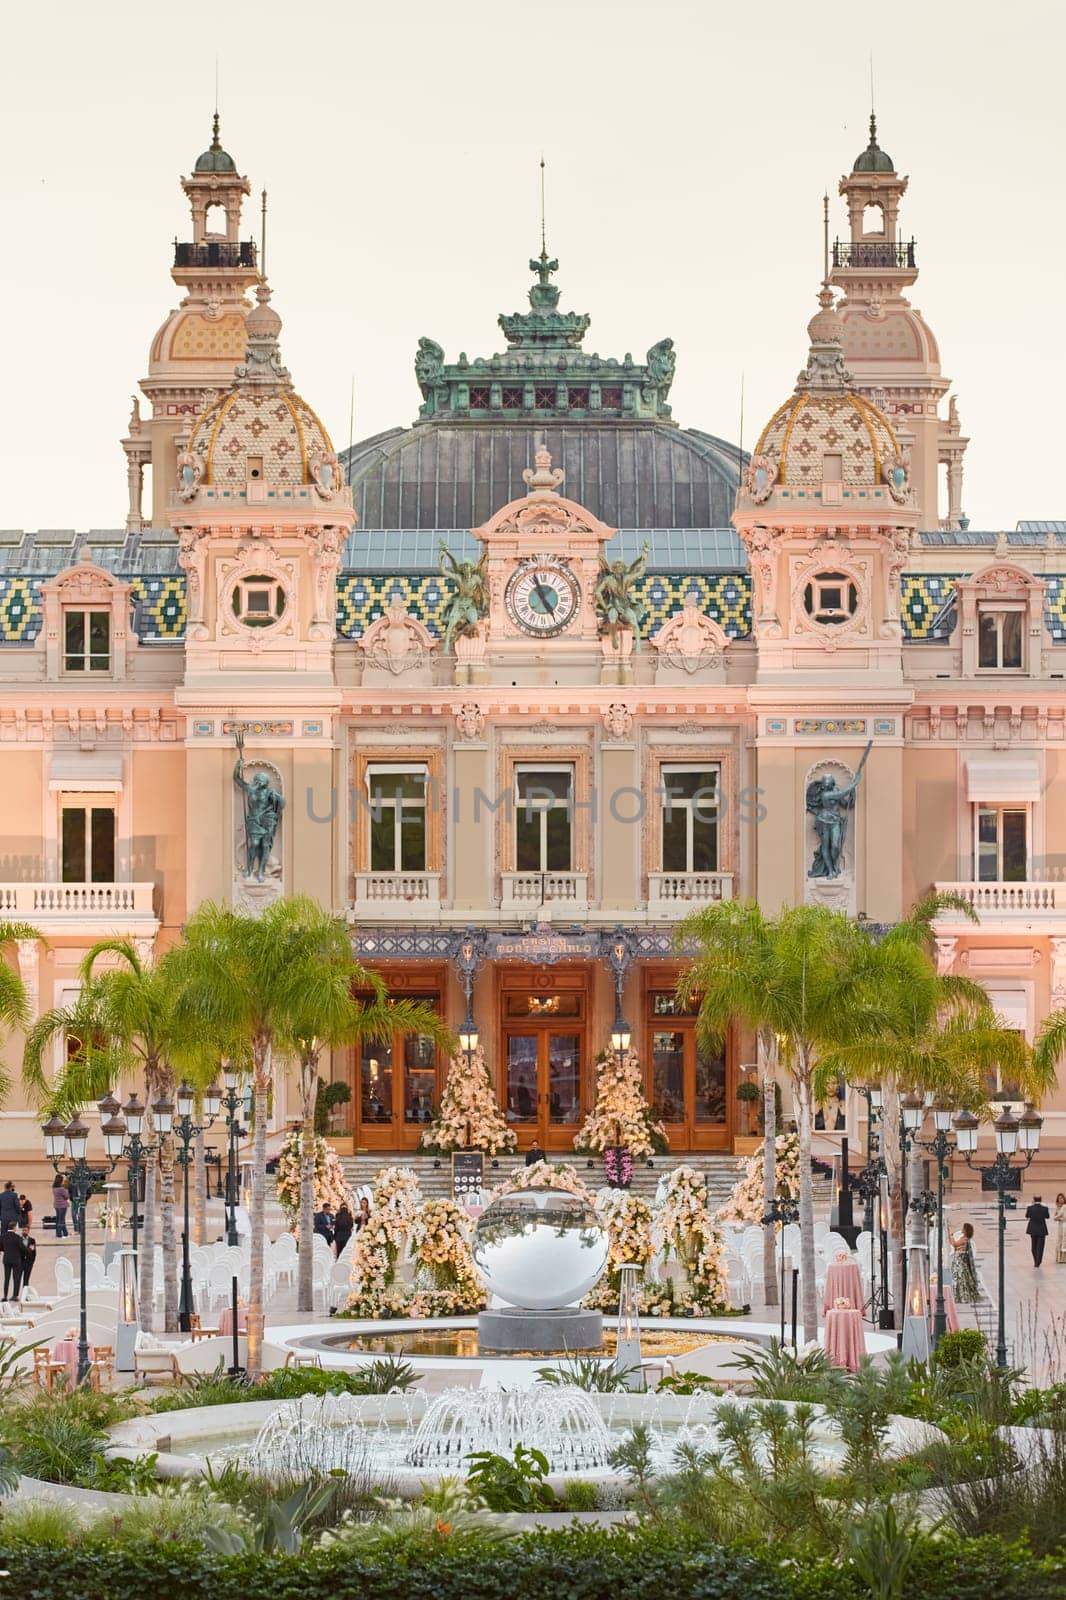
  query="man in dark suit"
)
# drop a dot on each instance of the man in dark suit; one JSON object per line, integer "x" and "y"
{"x": 29, "y": 1254}
{"x": 534, "y": 1154}
{"x": 1036, "y": 1218}
{"x": 13, "y": 1253}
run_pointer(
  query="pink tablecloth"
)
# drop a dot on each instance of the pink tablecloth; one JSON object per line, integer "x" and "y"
{"x": 844, "y": 1342}
{"x": 843, "y": 1281}
{"x": 66, "y": 1350}
{"x": 225, "y": 1320}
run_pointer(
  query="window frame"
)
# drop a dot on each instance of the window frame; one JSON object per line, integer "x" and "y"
{"x": 397, "y": 769}
{"x": 86, "y": 671}
{"x": 998, "y": 610}
{"x": 87, "y": 804}
{"x": 522, "y": 810}
{"x": 998, "y": 808}
{"x": 689, "y": 805}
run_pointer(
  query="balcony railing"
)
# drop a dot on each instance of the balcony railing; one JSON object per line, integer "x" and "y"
{"x": 993, "y": 899}
{"x": 216, "y": 253}
{"x": 898, "y": 256}
{"x": 525, "y": 891}
{"x": 674, "y": 894}
{"x": 391, "y": 891}
{"x": 74, "y": 900}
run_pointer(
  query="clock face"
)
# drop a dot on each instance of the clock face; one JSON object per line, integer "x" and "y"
{"x": 542, "y": 597}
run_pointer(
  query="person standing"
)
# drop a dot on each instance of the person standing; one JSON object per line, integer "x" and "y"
{"x": 61, "y": 1205}
{"x": 1060, "y": 1238}
{"x": 362, "y": 1216}
{"x": 534, "y": 1154}
{"x": 964, "y": 1267}
{"x": 343, "y": 1226}
{"x": 29, "y": 1254}
{"x": 1036, "y": 1219}
{"x": 10, "y": 1209}
{"x": 324, "y": 1224}
{"x": 13, "y": 1252}
{"x": 25, "y": 1211}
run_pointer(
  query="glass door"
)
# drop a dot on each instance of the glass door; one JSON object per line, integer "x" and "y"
{"x": 543, "y": 1085}
{"x": 396, "y": 1087}
{"x": 688, "y": 1085}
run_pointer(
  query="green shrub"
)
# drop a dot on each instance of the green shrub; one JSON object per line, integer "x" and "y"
{"x": 383, "y": 1376}
{"x": 776, "y": 1373}
{"x": 580, "y": 1496}
{"x": 586, "y": 1372}
{"x": 516, "y": 1484}
{"x": 688, "y": 1383}
{"x": 964, "y": 1347}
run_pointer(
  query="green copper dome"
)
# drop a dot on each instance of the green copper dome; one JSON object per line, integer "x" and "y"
{"x": 873, "y": 158}
{"x": 216, "y": 159}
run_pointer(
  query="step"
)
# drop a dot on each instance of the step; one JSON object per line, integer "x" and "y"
{"x": 720, "y": 1169}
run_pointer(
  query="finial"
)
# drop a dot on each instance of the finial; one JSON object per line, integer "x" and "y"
{"x": 873, "y": 130}
{"x": 216, "y": 143}
{"x": 543, "y": 227}
{"x": 825, "y": 240}
{"x": 543, "y": 478}
{"x": 263, "y": 239}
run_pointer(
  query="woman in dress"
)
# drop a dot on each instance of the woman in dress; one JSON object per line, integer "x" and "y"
{"x": 964, "y": 1266}
{"x": 1059, "y": 1215}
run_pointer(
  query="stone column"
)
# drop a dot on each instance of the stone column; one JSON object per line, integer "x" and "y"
{"x": 135, "y": 482}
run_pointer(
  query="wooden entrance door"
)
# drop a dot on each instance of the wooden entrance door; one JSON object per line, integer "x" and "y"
{"x": 397, "y": 1080}
{"x": 688, "y": 1085}
{"x": 543, "y": 1056}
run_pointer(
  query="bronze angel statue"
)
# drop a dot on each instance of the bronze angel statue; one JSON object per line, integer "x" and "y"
{"x": 618, "y": 605}
{"x": 470, "y": 602}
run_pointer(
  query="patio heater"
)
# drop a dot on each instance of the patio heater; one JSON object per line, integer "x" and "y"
{"x": 128, "y": 1325}
{"x": 916, "y": 1345}
{"x": 627, "y": 1358}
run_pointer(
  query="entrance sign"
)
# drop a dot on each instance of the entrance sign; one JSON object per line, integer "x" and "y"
{"x": 542, "y": 946}
{"x": 468, "y": 1174}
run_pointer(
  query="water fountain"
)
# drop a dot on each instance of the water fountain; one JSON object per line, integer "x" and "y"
{"x": 562, "y": 1423}
{"x": 540, "y": 1251}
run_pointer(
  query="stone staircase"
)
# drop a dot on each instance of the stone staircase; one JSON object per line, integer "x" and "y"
{"x": 435, "y": 1175}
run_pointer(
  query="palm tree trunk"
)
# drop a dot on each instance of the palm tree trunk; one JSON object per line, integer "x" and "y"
{"x": 170, "y": 1241}
{"x": 199, "y": 1194}
{"x": 262, "y": 1059}
{"x": 146, "y": 1244}
{"x": 804, "y": 1117}
{"x": 769, "y": 1173}
{"x": 305, "y": 1294}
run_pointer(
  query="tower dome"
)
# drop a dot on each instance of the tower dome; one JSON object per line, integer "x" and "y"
{"x": 260, "y": 430}
{"x": 825, "y": 421}
{"x": 873, "y": 158}
{"x": 214, "y": 158}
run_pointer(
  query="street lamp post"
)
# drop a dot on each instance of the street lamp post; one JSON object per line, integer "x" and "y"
{"x": 940, "y": 1148}
{"x": 72, "y": 1140}
{"x": 868, "y": 1183}
{"x": 469, "y": 1038}
{"x": 231, "y": 1102}
{"x": 186, "y": 1131}
{"x": 782, "y": 1209}
{"x": 1013, "y": 1136}
{"x": 136, "y": 1151}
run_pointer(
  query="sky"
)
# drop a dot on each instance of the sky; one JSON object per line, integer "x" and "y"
{"x": 687, "y": 148}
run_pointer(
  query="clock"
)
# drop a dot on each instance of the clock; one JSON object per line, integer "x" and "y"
{"x": 542, "y": 596}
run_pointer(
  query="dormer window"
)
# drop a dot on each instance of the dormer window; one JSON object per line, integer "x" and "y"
{"x": 999, "y": 637}
{"x": 86, "y": 640}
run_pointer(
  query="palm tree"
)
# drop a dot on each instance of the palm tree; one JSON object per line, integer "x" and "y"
{"x": 123, "y": 1020}
{"x": 14, "y": 1002}
{"x": 735, "y": 978}
{"x": 320, "y": 1012}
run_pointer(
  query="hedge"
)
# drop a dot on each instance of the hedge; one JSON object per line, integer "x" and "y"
{"x": 578, "y": 1563}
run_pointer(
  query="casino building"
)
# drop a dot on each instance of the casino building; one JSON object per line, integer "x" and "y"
{"x": 514, "y": 804}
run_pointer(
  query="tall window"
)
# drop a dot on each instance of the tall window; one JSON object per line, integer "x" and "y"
{"x": 690, "y": 799}
{"x": 1001, "y": 844}
{"x": 397, "y": 809}
{"x": 87, "y": 844}
{"x": 544, "y": 802}
{"x": 999, "y": 638}
{"x": 86, "y": 641}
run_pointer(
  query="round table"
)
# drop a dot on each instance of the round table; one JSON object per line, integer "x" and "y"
{"x": 225, "y": 1320}
{"x": 843, "y": 1281}
{"x": 844, "y": 1342}
{"x": 66, "y": 1351}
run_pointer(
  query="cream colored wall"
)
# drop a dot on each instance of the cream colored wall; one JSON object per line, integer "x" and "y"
{"x": 158, "y": 851}
{"x": 780, "y": 835}
{"x": 616, "y": 838}
{"x": 21, "y": 811}
{"x": 930, "y": 821}
{"x": 877, "y": 840}
{"x": 469, "y": 839}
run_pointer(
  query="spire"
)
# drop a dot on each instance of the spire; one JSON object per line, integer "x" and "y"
{"x": 544, "y": 323}
{"x": 214, "y": 158}
{"x": 262, "y": 361}
{"x": 873, "y": 158}
{"x": 216, "y": 142}
{"x": 825, "y": 369}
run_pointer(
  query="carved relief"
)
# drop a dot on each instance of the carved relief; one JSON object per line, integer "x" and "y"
{"x": 469, "y": 722}
{"x": 397, "y": 642}
{"x": 690, "y": 641}
{"x": 617, "y": 722}
{"x": 762, "y": 475}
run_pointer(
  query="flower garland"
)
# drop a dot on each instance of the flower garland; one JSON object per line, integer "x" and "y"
{"x": 440, "y": 1240}
{"x": 629, "y": 1232}
{"x": 546, "y": 1175}
{"x": 330, "y": 1185}
{"x": 747, "y": 1203}
{"x": 468, "y": 1116}
{"x": 377, "y": 1246}
{"x": 685, "y": 1228}
{"x": 621, "y": 1115}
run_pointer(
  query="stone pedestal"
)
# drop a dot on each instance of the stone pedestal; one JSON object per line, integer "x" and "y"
{"x": 559, "y": 1332}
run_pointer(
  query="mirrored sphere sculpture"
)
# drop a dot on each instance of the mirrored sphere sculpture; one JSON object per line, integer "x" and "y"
{"x": 540, "y": 1248}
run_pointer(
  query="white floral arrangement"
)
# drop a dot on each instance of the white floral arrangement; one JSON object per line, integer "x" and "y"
{"x": 747, "y": 1203}
{"x": 377, "y": 1245}
{"x": 468, "y": 1116}
{"x": 440, "y": 1241}
{"x": 628, "y": 1220}
{"x": 621, "y": 1115}
{"x": 685, "y": 1228}
{"x": 546, "y": 1175}
{"x": 330, "y": 1185}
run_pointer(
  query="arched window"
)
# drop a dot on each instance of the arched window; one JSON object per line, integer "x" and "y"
{"x": 873, "y": 221}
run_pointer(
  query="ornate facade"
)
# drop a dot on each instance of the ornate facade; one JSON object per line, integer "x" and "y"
{"x": 531, "y": 679}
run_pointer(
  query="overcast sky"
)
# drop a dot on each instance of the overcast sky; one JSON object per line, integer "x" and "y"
{"x": 688, "y": 146}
